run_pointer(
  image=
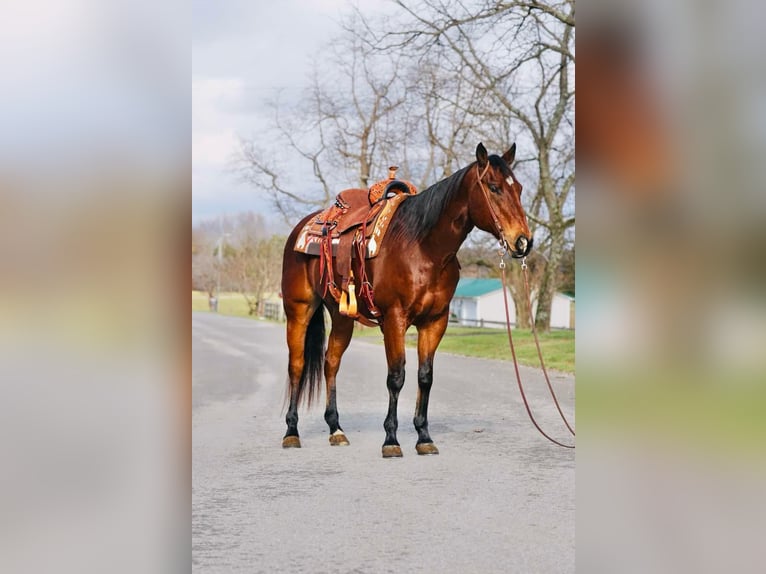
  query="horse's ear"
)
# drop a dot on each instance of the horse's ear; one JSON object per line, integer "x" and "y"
{"x": 510, "y": 155}
{"x": 481, "y": 155}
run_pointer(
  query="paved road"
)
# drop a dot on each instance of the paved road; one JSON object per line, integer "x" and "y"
{"x": 499, "y": 498}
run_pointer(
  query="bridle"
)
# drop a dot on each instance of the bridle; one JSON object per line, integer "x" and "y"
{"x": 504, "y": 249}
{"x": 495, "y": 219}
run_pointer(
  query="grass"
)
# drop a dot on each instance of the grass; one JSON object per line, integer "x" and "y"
{"x": 228, "y": 304}
{"x": 557, "y": 346}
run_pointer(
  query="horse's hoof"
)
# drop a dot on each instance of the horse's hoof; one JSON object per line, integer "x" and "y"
{"x": 426, "y": 448}
{"x": 392, "y": 451}
{"x": 291, "y": 442}
{"x": 338, "y": 439}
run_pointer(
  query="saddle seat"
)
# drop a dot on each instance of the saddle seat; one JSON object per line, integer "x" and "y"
{"x": 353, "y": 228}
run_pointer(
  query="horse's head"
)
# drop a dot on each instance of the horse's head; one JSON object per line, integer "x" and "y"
{"x": 495, "y": 201}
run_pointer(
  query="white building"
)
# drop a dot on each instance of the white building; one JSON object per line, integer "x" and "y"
{"x": 479, "y": 302}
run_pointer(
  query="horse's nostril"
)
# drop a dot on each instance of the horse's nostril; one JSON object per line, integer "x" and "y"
{"x": 521, "y": 244}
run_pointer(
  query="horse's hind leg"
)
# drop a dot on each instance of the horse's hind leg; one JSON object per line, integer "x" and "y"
{"x": 337, "y": 343}
{"x": 299, "y": 315}
{"x": 429, "y": 337}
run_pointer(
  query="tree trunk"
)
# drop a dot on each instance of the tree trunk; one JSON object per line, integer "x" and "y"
{"x": 252, "y": 304}
{"x": 519, "y": 295}
{"x": 548, "y": 282}
{"x": 522, "y": 312}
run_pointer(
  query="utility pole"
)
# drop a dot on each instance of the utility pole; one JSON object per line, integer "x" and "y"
{"x": 221, "y": 238}
{"x": 220, "y": 257}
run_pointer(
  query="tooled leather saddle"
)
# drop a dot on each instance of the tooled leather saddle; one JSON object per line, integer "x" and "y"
{"x": 353, "y": 228}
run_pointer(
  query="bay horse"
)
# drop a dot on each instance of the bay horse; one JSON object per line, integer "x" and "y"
{"x": 414, "y": 278}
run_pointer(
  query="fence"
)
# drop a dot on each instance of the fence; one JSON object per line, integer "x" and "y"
{"x": 273, "y": 310}
{"x": 494, "y": 324}
{"x": 479, "y": 323}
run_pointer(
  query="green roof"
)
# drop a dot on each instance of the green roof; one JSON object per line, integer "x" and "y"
{"x": 471, "y": 287}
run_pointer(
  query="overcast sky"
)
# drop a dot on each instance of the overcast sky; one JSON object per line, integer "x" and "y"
{"x": 242, "y": 51}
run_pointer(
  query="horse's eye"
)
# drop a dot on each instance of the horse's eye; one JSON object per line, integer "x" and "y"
{"x": 493, "y": 188}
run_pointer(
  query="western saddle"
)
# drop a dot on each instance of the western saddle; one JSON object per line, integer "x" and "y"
{"x": 353, "y": 228}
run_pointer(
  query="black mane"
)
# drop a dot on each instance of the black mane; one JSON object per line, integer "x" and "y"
{"x": 417, "y": 216}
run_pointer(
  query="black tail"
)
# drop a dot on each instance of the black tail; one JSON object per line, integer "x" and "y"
{"x": 313, "y": 356}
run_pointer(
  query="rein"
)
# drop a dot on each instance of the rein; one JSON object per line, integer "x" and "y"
{"x": 539, "y": 354}
{"x": 504, "y": 250}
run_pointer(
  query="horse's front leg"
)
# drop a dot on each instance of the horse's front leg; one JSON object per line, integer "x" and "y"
{"x": 394, "y": 328}
{"x": 429, "y": 337}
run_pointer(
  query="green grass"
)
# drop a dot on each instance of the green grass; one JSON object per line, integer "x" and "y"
{"x": 228, "y": 304}
{"x": 557, "y": 346}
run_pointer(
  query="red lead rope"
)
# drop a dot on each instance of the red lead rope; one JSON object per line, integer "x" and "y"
{"x": 539, "y": 354}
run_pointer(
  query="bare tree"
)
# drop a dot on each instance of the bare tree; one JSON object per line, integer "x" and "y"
{"x": 340, "y": 132}
{"x": 421, "y": 91}
{"x": 253, "y": 268}
{"x": 443, "y": 129}
{"x": 205, "y": 267}
{"x": 516, "y": 59}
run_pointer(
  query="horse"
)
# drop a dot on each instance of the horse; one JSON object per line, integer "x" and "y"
{"x": 414, "y": 277}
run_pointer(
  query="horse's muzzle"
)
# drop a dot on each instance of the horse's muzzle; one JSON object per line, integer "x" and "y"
{"x": 522, "y": 247}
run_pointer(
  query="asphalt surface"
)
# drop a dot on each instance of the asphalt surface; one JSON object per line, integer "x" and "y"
{"x": 498, "y": 497}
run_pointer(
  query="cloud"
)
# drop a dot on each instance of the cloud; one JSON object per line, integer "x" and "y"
{"x": 213, "y": 127}
{"x": 241, "y": 58}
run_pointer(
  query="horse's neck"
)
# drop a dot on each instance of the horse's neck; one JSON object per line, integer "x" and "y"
{"x": 453, "y": 227}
